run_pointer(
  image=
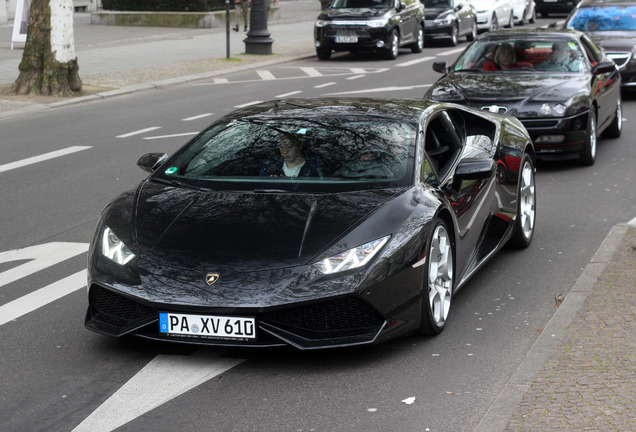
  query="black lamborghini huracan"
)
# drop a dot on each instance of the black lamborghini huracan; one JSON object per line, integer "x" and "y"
{"x": 312, "y": 223}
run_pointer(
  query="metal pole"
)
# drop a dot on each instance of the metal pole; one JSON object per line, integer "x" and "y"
{"x": 258, "y": 39}
{"x": 227, "y": 28}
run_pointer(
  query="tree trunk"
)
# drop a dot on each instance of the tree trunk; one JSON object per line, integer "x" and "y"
{"x": 49, "y": 64}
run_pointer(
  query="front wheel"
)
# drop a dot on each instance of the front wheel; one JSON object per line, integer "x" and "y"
{"x": 454, "y": 31}
{"x": 437, "y": 290}
{"x": 615, "y": 129}
{"x": 526, "y": 205}
{"x": 323, "y": 54}
{"x": 494, "y": 23}
{"x": 394, "y": 45}
{"x": 418, "y": 45}
{"x": 588, "y": 154}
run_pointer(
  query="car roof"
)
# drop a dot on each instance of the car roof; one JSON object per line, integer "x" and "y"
{"x": 603, "y": 3}
{"x": 542, "y": 33}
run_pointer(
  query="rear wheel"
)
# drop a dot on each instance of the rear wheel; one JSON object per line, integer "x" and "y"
{"x": 526, "y": 205}
{"x": 394, "y": 46}
{"x": 494, "y": 24}
{"x": 588, "y": 154}
{"x": 615, "y": 129}
{"x": 437, "y": 290}
{"x": 473, "y": 32}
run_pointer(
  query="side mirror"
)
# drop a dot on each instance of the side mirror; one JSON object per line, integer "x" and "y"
{"x": 151, "y": 161}
{"x": 440, "y": 67}
{"x": 604, "y": 67}
{"x": 475, "y": 169}
{"x": 401, "y": 5}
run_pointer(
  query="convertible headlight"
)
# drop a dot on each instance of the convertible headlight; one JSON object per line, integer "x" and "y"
{"x": 353, "y": 258}
{"x": 558, "y": 109}
{"x": 114, "y": 249}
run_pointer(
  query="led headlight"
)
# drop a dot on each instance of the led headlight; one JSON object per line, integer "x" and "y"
{"x": 114, "y": 249}
{"x": 353, "y": 258}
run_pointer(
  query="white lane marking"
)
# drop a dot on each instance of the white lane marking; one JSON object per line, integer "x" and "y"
{"x": 138, "y": 132}
{"x": 310, "y": 71}
{"x": 42, "y": 297}
{"x": 197, "y": 117}
{"x": 265, "y": 75}
{"x": 381, "y": 90}
{"x": 247, "y": 104}
{"x": 43, "y": 157}
{"x": 416, "y": 61}
{"x": 356, "y": 77}
{"x": 450, "y": 52}
{"x": 358, "y": 70}
{"x": 325, "y": 85}
{"x": 221, "y": 81}
{"x": 288, "y": 94}
{"x": 632, "y": 222}
{"x": 163, "y": 379}
{"x": 171, "y": 136}
{"x": 40, "y": 257}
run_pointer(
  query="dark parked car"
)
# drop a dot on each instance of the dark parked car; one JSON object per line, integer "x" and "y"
{"x": 558, "y": 83}
{"x": 449, "y": 20}
{"x": 312, "y": 223}
{"x": 547, "y": 7}
{"x": 370, "y": 25}
{"x": 612, "y": 25}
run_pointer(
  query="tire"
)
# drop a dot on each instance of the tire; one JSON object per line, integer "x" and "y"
{"x": 511, "y": 21}
{"x": 418, "y": 45}
{"x": 588, "y": 154}
{"x": 523, "y": 17}
{"x": 494, "y": 24}
{"x": 526, "y": 205}
{"x": 615, "y": 129}
{"x": 473, "y": 32}
{"x": 453, "y": 35}
{"x": 533, "y": 18}
{"x": 438, "y": 283}
{"x": 323, "y": 54}
{"x": 394, "y": 46}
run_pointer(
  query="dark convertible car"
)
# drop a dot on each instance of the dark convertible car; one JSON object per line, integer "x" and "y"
{"x": 370, "y": 25}
{"x": 558, "y": 83}
{"x": 312, "y": 223}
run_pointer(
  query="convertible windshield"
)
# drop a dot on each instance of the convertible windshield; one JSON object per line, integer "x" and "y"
{"x": 359, "y": 4}
{"x": 609, "y": 18}
{"x": 293, "y": 154}
{"x": 522, "y": 55}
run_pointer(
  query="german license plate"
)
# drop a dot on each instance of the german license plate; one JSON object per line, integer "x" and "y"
{"x": 346, "y": 39}
{"x": 207, "y": 326}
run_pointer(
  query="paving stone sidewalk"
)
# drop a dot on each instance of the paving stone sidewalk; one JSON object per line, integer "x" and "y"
{"x": 589, "y": 382}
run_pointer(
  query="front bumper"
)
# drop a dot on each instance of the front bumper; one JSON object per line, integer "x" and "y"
{"x": 558, "y": 137}
{"x": 368, "y": 38}
{"x": 436, "y": 32}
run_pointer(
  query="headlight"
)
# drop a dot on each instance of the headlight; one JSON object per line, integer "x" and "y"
{"x": 114, "y": 249}
{"x": 442, "y": 21}
{"x": 353, "y": 258}
{"x": 322, "y": 23}
{"x": 377, "y": 23}
{"x": 558, "y": 109}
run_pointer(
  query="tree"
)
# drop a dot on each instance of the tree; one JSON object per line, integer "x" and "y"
{"x": 49, "y": 64}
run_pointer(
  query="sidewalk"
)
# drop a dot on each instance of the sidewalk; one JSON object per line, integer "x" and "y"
{"x": 580, "y": 375}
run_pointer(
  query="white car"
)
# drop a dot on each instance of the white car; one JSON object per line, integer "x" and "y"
{"x": 524, "y": 11}
{"x": 493, "y": 14}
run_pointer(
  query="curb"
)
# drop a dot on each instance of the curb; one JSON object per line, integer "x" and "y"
{"x": 502, "y": 409}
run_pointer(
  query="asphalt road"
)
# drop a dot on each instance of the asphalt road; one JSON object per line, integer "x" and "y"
{"x": 57, "y": 376}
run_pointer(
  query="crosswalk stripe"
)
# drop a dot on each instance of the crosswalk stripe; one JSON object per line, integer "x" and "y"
{"x": 265, "y": 75}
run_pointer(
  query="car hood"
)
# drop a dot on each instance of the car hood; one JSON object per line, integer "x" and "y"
{"x": 615, "y": 40}
{"x": 436, "y": 13}
{"x": 352, "y": 14}
{"x": 515, "y": 91}
{"x": 245, "y": 231}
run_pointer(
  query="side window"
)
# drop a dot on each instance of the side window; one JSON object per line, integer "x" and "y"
{"x": 593, "y": 52}
{"x": 442, "y": 144}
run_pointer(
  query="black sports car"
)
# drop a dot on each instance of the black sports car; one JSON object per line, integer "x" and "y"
{"x": 312, "y": 223}
{"x": 449, "y": 20}
{"x": 370, "y": 25}
{"x": 558, "y": 83}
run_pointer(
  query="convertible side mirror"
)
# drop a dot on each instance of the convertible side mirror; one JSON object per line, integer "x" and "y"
{"x": 475, "y": 169}
{"x": 604, "y": 67}
{"x": 151, "y": 161}
{"x": 440, "y": 67}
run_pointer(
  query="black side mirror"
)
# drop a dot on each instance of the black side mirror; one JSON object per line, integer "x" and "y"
{"x": 604, "y": 67}
{"x": 400, "y": 6}
{"x": 151, "y": 161}
{"x": 475, "y": 169}
{"x": 440, "y": 67}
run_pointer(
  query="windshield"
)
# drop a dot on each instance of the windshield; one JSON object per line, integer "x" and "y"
{"x": 433, "y": 4}
{"x": 609, "y": 18}
{"x": 522, "y": 55}
{"x": 359, "y": 4}
{"x": 293, "y": 154}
